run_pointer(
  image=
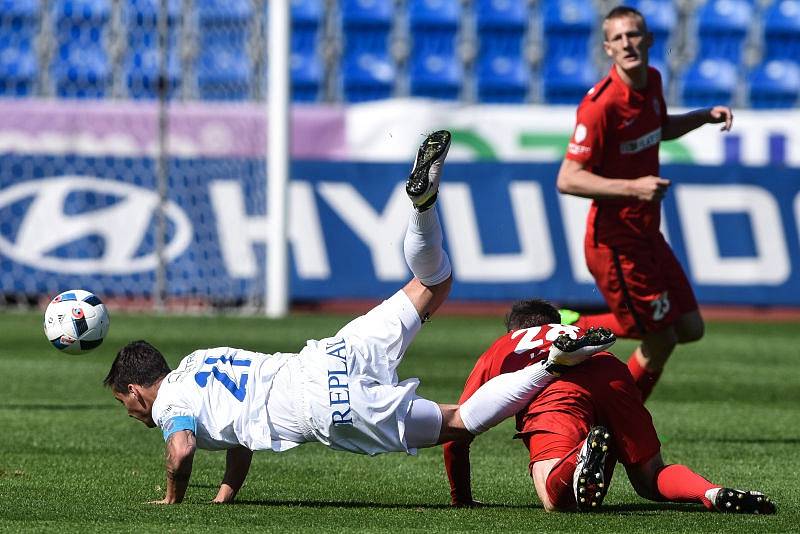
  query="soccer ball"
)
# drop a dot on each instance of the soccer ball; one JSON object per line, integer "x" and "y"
{"x": 76, "y": 321}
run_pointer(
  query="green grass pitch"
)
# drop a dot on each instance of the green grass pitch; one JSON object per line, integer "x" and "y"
{"x": 71, "y": 461}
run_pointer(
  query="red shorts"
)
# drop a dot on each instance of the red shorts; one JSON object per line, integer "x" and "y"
{"x": 643, "y": 283}
{"x": 598, "y": 392}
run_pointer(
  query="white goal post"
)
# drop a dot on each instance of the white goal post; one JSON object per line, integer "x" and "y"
{"x": 277, "y": 163}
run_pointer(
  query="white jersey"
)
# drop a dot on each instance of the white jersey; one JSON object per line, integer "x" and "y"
{"x": 341, "y": 391}
{"x": 221, "y": 394}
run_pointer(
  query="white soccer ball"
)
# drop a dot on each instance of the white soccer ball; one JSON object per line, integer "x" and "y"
{"x": 76, "y": 321}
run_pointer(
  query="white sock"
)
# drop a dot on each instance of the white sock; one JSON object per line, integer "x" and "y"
{"x": 503, "y": 396}
{"x": 423, "y": 250}
{"x": 711, "y": 494}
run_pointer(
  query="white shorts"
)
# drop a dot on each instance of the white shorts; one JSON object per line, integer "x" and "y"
{"x": 349, "y": 397}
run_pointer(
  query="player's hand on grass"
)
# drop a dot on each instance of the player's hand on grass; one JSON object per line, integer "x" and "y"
{"x": 719, "y": 114}
{"x": 162, "y": 501}
{"x": 649, "y": 188}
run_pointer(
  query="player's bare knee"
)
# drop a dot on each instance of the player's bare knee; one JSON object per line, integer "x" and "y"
{"x": 539, "y": 472}
{"x": 643, "y": 475}
{"x": 690, "y": 332}
{"x": 690, "y": 327}
{"x": 548, "y": 507}
{"x": 657, "y": 346}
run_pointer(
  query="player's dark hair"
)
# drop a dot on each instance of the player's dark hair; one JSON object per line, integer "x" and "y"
{"x": 623, "y": 11}
{"x": 138, "y": 362}
{"x": 533, "y": 312}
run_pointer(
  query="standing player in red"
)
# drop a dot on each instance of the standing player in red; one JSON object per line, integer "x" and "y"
{"x": 612, "y": 158}
{"x": 572, "y": 456}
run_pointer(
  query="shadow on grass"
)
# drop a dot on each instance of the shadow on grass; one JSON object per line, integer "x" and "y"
{"x": 744, "y": 441}
{"x": 633, "y": 509}
{"x": 648, "y": 508}
{"x": 350, "y": 504}
{"x": 57, "y": 407}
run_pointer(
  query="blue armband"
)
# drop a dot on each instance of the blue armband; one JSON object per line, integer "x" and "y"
{"x": 181, "y": 422}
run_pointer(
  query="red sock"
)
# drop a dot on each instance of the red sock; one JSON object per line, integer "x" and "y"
{"x": 604, "y": 320}
{"x": 645, "y": 380}
{"x": 678, "y": 483}
{"x": 559, "y": 481}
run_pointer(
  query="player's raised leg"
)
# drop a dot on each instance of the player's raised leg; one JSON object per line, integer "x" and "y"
{"x": 422, "y": 245}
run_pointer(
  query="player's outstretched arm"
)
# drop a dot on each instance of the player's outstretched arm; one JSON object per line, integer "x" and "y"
{"x": 237, "y": 465}
{"x": 456, "y": 463}
{"x": 677, "y": 125}
{"x": 178, "y": 462}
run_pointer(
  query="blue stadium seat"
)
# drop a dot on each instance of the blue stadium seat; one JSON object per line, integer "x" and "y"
{"x": 81, "y": 68}
{"x": 368, "y": 70}
{"x": 223, "y": 63}
{"x": 662, "y": 20}
{"x": 502, "y": 71}
{"x": 82, "y": 72}
{"x": 567, "y": 27}
{"x": 566, "y": 81}
{"x": 368, "y": 76}
{"x": 82, "y": 11}
{"x": 306, "y": 66}
{"x": 306, "y": 74}
{"x": 709, "y": 82}
{"x": 775, "y": 84}
{"x": 435, "y": 75}
{"x": 144, "y": 14}
{"x": 307, "y": 17}
{"x": 213, "y": 14}
{"x": 18, "y": 70}
{"x": 19, "y": 23}
{"x": 722, "y": 28}
{"x": 435, "y": 68}
{"x": 143, "y": 68}
{"x": 507, "y": 16}
{"x": 142, "y": 60}
{"x": 223, "y": 73}
{"x": 782, "y": 30}
{"x": 502, "y": 79}
{"x": 307, "y": 13}
{"x": 434, "y": 14}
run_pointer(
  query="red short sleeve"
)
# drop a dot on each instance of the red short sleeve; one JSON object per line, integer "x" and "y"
{"x": 587, "y": 142}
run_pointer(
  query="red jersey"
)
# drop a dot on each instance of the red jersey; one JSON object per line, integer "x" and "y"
{"x": 599, "y": 390}
{"x": 617, "y": 135}
{"x": 509, "y": 353}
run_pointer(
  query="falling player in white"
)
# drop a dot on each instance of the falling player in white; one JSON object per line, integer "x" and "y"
{"x": 342, "y": 391}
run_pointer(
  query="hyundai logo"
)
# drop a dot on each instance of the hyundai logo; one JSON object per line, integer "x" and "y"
{"x": 122, "y": 225}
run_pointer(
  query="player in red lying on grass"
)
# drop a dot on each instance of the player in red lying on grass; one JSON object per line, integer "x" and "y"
{"x": 580, "y": 424}
{"x": 612, "y": 159}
